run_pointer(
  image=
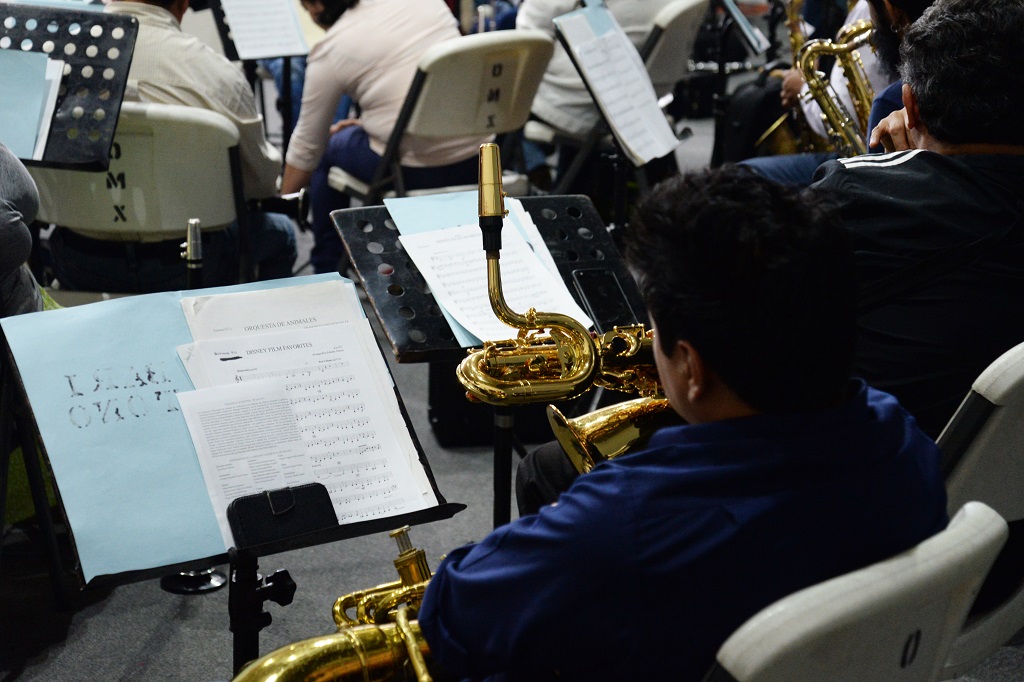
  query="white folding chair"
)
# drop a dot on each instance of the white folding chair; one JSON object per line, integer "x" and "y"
{"x": 168, "y": 164}
{"x": 983, "y": 459}
{"x": 894, "y": 620}
{"x": 666, "y": 54}
{"x": 481, "y": 85}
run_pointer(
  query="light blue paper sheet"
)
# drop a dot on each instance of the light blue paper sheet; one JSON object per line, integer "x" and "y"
{"x": 598, "y": 16}
{"x": 23, "y": 87}
{"x": 101, "y": 380}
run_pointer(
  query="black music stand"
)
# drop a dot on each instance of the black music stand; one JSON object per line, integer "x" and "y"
{"x": 248, "y": 590}
{"x": 581, "y": 246}
{"x": 617, "y": 156}
{"x": 17, "y": 425}
{"x": 98, "y": 50}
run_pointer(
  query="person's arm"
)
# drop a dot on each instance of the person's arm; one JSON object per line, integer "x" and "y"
{"x": 540, "y": 14}
{"x": 885, "y": 103}
{"x": 326, "y": 83}
{"x": 294, "y": 179}
{"x": 261, "y": 162}
{"x": 503, "y": 604}
{"x": 19, "y": 203}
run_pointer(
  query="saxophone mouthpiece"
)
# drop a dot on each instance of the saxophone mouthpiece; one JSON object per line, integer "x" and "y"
{"x": 491, "y": 198}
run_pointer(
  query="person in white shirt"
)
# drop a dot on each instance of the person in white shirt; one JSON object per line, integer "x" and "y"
{"x": 173, "y": 67}
{"x": 370, "y": 52}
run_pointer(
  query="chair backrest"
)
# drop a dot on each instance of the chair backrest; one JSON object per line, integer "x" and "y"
{"x": 670, "y": 44}
{"x": 893, "y": 620}
{"x": 168, "y": 163}
{"x": 983, "y": 458}
{"x": 983, "y": 444}
{"x": 480, "y": 84}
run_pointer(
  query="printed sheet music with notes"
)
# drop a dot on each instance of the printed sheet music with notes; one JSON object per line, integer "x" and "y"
{"x": 281, "y": 382}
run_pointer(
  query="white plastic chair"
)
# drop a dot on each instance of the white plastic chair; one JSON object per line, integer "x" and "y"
{"x": 983, "y": 458}
{"x": 666, "y": 54}
{"x": 481, "y": 84}
{"x": 168, "y": 164}
{"x": 894, "y": 620}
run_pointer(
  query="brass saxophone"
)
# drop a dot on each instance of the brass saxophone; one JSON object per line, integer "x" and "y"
{"x": 789, "y": 134}
{"x": 844, "y": 128}
{"x": 554, "y": 357}
{"x": 379, "y": 640}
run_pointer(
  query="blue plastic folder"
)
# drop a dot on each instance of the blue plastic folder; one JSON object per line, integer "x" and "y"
{"x": 101, "y": 381}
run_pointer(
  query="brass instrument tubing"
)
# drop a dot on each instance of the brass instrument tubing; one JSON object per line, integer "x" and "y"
{"x": 419, "y": 665}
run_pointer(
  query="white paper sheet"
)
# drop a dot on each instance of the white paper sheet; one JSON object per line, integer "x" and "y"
{"x": 354, "y": 438}
{"x": 520, "y": 218}
{"x": 265, "y": 28}
{"x": 451, "y": 263}
{"x": 620, "y": 83}
{"x": 257, "y": 312}
{"x": 248, "y": 440}
{"x": 54, "y": 74}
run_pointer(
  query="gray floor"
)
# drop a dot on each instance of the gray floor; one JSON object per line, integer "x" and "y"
{"x": 140, "y": 632}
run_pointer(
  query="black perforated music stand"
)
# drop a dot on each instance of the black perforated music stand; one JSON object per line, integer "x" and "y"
{"x": 418, "y": 332}
{"x": 97, "y": 49}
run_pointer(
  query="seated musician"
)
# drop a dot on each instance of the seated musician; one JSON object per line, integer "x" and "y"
{"x": 787, "y": 473}
{"x": 943, "y": 310}
{"x": 797, "y": 169}
{"x": 370, "y": 52}
{"x": 937, "y": 327}
{"x": 173, "y": 67}
{"x": 890, "y": 19}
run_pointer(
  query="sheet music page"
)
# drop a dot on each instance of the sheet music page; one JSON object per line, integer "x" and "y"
{"x": 54, "y": 74}
{"x": 453, "y": 265}
{"x": 521, "y": 220}
{"x": 265, "y": 28}
{"x": 256, "y": 312}
{"x": 617, "y": 76}
{"x": 354, "y": 438}
{"x": 248, "y": 441}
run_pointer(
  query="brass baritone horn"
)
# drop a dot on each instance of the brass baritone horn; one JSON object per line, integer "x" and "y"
{"x": 534, "y": 366}
{"x": 380, "y": 641}
{"x": 555, "y": 358}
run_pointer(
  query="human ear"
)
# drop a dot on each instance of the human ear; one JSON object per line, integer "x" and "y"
{"x": 692, "y": 369}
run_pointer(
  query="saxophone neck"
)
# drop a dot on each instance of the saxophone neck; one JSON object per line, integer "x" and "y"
{"x": 496, "y": 295}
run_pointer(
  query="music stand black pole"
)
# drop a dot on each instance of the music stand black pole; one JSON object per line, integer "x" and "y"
{"x": 209, "y": 579}
{"x": 15, "y": 419}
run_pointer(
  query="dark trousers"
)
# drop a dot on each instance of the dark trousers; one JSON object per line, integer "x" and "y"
{"x": 349, "y": 149}
{"x": 543, "y": 475}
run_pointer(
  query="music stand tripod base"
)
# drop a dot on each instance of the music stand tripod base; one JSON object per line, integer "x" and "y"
{"x": 193, "y": 582}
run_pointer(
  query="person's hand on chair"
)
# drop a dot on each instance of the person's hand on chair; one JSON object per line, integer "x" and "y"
{"x": 343, "y": 123}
